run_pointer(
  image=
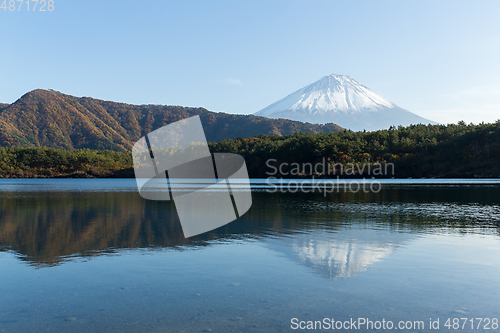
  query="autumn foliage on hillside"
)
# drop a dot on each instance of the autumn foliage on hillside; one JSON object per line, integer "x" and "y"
{"x": 43, "y": 118}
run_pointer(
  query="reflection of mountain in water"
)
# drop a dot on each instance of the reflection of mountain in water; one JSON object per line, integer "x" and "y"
{"x": 343, "y": 253}
{"x": 339, "y": 235}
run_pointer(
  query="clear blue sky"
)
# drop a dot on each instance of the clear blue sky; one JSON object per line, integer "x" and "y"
{"x": 439, "y": 59}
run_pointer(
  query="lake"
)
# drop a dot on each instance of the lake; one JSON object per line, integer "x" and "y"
{"x": 93, "y": 256}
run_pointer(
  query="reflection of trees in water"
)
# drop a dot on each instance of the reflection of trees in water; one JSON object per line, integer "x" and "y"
{"x": 47, "y": 227}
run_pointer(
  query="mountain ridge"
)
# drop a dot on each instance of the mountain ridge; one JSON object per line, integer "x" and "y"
{"x": 342, "y": 100}
{"x": 47, "y": 118}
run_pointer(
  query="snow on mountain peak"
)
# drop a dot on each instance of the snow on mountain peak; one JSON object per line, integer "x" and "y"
{"x": 332, "y": 93}
{"x": 342, "y": 100}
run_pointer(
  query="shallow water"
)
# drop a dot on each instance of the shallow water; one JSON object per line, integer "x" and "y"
{"x": 93, "y": 256}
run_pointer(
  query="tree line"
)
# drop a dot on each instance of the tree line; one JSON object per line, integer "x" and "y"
{"x": 453, "y": 150}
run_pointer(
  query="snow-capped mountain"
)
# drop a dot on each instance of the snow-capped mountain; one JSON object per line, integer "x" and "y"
{"x": 341, "y": 100}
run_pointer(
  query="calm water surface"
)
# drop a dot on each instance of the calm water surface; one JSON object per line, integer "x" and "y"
{"x": 93, "y": 256}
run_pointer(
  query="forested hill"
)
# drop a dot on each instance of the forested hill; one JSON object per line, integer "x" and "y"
{"x": 43, "y": 118}
{"x": 451, "y": 151}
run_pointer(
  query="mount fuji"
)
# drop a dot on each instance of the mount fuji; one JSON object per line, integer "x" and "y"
{"x": 341, "y": 100}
